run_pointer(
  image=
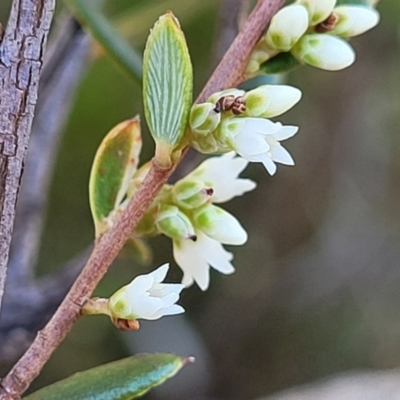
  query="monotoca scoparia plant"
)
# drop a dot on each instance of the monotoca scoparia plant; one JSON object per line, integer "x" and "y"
{"x": 235, "y": 126}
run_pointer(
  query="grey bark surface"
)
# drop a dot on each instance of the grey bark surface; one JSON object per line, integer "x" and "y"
{"x": 21, "y": 58}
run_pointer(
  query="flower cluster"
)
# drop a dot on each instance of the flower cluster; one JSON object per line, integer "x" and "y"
{"x": 186, "y": 212}
{"x": 314, "y": 32}
{"x": 235, "y": 120}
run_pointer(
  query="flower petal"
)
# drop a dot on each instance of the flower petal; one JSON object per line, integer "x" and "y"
{"x": 221, "y": 174}
{"x": 160, "y": 273}
{"x": 286, "y": 132}
{"x": 268, "y": 163}
{"x": 195, "y": 258}
{"x": 281, "y": 155}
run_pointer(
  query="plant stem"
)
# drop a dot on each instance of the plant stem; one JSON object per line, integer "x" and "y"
{"x": 228, "y": 74}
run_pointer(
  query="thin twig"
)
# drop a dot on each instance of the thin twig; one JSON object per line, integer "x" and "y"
{"x": 21, "y": 53}
{"x": 228, "y": 73}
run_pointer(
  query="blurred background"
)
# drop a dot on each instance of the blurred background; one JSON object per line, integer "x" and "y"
{"x": 316, "y": 291}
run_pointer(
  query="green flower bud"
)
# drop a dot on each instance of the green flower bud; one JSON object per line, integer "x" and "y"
{"x": 219, "y": 225}
{"x": 354, "y": 20}
{"x": 324, "y": 51}
{"x": 268, "y": 101}
{"x": 287, "y": 26}
{"x": 191, "y": 193}
{"x": 318, "y": 10}
{"x": 174, "y": 223}
{"x": 203, "y": 118}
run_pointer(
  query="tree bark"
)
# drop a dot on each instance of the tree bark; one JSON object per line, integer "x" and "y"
{"x": 21, "y": 57}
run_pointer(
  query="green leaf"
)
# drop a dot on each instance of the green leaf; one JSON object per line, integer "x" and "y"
{"x": 167, "y": 85}
{"x": 120, "y": 380}
{"x": 368, "y": 3}
{"x": 280, "y": 64}
{"x": 113, "y": 43}
{"x": 114, "y": 165}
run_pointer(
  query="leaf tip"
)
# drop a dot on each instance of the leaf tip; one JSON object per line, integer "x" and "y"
{"x": 189, "y": 360}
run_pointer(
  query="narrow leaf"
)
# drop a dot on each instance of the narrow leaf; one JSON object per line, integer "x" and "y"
{"x": 120, "y": 380}
{"x": 167, "y": 83}
{"x": 113, "y": 167}
{"x": 113, "y": 43}
{"x": 368, "y": 3}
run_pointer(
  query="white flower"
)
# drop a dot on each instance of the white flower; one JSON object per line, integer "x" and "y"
{"x": 258, "y": 140}
{"x": 221, "y": 175}
{"x": 324, "y": 51}
{"x": 196, "y": 258}
{"x": 287, "y": 26}
{"x": 146, "y": 297}
{"x": 354, "y": 20}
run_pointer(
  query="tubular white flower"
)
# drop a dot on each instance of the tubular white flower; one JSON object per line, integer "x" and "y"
{"x": 196, "y": 258}
{"x": 318, "y": 10}
{"x": 258, "y": 140}
{"x": 269, "y": 101}
{"x": 219, "y": 225}
{"x": 354, "y": 20}
{"x": 287, "y": 26}
{"x": 324, "y": 51}
{"x": 146, "y": 297}
{"x": 221, "y": 174}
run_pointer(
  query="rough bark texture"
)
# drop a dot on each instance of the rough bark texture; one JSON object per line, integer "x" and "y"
{"x": 21, "y": 55}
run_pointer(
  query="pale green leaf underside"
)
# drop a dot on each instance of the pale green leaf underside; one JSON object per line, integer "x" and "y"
{"x": 167, "y": 81}
{"x": 113, "y": 167}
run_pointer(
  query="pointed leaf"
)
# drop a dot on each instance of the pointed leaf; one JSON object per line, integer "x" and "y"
{"x": 167, "y": 85}
{"x": 114, "y": 165}
{"x": 115, "y": 45}
{"x": 120, "y": 380}
{"x": 369, "y": 3}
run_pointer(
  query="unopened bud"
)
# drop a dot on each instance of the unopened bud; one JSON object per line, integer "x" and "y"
{"x": 318, "y": 10}
{"x": 219, "y": 225}
{"x": 203, "y": 118}
{"x": 174, "y": 223}
{"x": 324, "y": 51}
{"x": 191, "y": 193}
{"x": 287, "y": 26}
{"x": 268, "y": 101}
{"x": 354, "y": 20}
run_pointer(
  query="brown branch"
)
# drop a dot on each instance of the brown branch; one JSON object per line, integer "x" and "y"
{"x": 228, "y": 73}
{"x": 21, "y": 53}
